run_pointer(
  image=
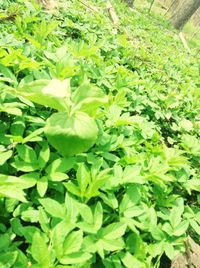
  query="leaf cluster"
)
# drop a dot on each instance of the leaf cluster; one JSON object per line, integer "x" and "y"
{"x": 99, "y": 139}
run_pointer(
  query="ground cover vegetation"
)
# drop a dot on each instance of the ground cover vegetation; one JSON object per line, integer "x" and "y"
{"x": 99, "y": 138}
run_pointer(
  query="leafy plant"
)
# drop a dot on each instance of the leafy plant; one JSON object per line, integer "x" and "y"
{"x": 99, "y": 138}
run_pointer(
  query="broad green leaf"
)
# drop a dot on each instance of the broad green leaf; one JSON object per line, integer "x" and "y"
{"x": 87, "y": 227}
{"x": 73, "y": 242}
{"x": 30, "y": 215}
{"x": 112, "y": 244}
{"x": 72, "y": 188}
{"x": 7, "y": 260}
{"x": 157, "y": 233}
{"x": 98, "y": 216}
{"x": 132, "y": 175}
{"x": 11, "y": 186}
{"x": 40, "y": 251}
{"x": 195, "y": 226}
{"x": 10, "y": 204}
{"x": 54, "y": 94}
{"x": 133, "y": 192}
{"x": 83, "y": 177}
{"x": 22, "y": 260}
{"x": 134, "y": 211}
{"x": 167, "y": 228}
{"x": 42, "y": 185}
{"x": 181, "y": 228}
{"x": 54, "y": 208}
{"x": 8, "y": 74}
{"x": 28, "y": 232}
{"x": 63, "y": 131}
{"x": 4, "y": 156}
{"x": 176, "y": 212}
{"x": 192, "y": 184}
{"x": 88, "y": 98}
{"x": 33, "y": 135}
{"x": 44, "y": 155}
{"x": 4, "y": 242}
{"x": 59, "y": 233}
{"x": 71, "y": 206}
{"x": 156, "y": 249}
{"x": 75, "y": 258}
{"x": 170, "y": 251}
{"x": 112, "y": 262}
{"x": 61, "y": 165}
{"x": 130, "y": 261}
{"x": 130, "y": 199}
{"x": 43, "y": 220}
{"x": 26, "y": 153}
{"x": 29, "y": 179}
{"x": 89, "y": 244}
{"x": 13, "y": 111}
{"x": 86, "y": 213}
{"x": 110, "y": 200}
{"x": 191, "y": 144}
{"x": 58, "y": 176}
{"x": 20, "y": 165}
{"x": 113, "y": 231}
{"x": 134, "y": 244}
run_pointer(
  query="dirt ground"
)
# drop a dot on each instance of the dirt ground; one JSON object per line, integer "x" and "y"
{"x": 191, "y": 259}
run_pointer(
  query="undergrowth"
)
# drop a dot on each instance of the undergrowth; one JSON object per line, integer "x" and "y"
{"x": 99, "y": 138}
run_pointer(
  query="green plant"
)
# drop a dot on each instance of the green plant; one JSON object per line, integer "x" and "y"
{"x": 99, "y": 139}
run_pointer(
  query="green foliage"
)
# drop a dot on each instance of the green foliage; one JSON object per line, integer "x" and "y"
{"x": 71, "y": 135}
{"x": 99, "y": 139}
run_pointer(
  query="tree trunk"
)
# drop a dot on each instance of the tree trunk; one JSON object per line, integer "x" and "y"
{"x": 48, "y": 4}
{"x": 196, "y": 18}
{"x": 184, "y": 13}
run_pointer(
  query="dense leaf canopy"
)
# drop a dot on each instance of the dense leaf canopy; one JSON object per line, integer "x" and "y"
{"x": 99, "y": 138}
